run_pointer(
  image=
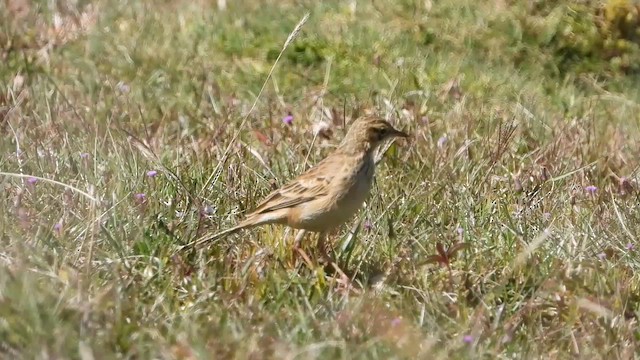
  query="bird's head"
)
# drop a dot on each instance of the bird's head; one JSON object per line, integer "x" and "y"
{"x": 367, "y": 132}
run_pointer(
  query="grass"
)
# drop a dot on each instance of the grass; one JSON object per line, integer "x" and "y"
{"x": 534, "y": 170}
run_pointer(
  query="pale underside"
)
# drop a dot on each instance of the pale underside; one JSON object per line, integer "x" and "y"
{"x": 319, "y": 200}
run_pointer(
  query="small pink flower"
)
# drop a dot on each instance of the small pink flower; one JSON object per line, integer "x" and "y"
{"x": 396, "y": 321}
{"x": 288, "y": 119}
{"x": 602, "y": 256}
{"x": 140, "y": 197}
{"x": 57, "y": 227}
{"x": 31, "y": 180}
{"x": 467, "y": 339}
{"x": 367, "y": 226}
{"x": 152, "y": 173}
{"x": 630, "y": 246}
{"x": 84, "y": 155}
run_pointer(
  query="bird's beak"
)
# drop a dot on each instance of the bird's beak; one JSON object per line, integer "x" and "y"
{"x": 398, "y": 133}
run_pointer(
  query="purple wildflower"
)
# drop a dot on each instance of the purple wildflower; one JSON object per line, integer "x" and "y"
{"x": 140, "y": 196}
{"x": 123, "y": 87}
{"x": 367, "y": 225}
{"x": 396, "y": 321}
{"x": 288, "y": 119}
{"x": 152, "y": 173}
{"x": 460, "y": 230}
{"x": 31, "y": 180}
{"x": 57, "y": 227}
{"x": 443, "y": 140}
{"x": 591, "y": 189}
{"x": 208, "y": 210}
{"x": 467, "y": 339}
{"x": 624, "y": 182}
{"x": 602, "y": 256}
{"x": 84, "y": 155}
{"x": 630, "y": 246}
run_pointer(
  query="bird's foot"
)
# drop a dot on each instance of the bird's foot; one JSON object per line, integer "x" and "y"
{"x": 332, "y": 266}
{"x": 304, "y": 256}
{"x": 344, "y": 279}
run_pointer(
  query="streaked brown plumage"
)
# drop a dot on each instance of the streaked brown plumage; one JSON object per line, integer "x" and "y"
{"x": 330, "y": 193}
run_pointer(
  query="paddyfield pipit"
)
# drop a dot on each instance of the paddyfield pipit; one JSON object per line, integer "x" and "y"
{"x": 328, "y": 194}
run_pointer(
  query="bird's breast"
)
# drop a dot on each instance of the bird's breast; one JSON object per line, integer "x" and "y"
{"x": 354, "y": 188}
{"x": 350, "y": 187}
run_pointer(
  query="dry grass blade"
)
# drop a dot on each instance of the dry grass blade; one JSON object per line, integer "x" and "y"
{"x": 245, "y": 118}
{"x": 67, "y": 186}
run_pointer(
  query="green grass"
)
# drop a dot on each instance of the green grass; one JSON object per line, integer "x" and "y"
{"x": 504, "y": 149}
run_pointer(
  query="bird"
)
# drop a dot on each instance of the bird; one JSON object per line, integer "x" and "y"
{"x": 328, "y": 194}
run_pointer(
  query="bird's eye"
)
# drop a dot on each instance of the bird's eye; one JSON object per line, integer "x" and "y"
{"x": 380, "y": 133}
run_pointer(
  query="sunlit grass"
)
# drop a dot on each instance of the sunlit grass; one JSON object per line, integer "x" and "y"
{"x": 535, "y": 172}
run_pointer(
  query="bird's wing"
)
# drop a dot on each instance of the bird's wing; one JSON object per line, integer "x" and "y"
{"x": 305, "y": 188}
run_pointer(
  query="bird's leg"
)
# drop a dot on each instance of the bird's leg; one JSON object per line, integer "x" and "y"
{"x": 298, "y": 248}
{"x": 329, "y": 259}
{"x": 322, "y": 246}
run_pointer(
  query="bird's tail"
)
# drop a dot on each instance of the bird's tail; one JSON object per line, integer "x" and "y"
{"x": 213, "y": 237}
